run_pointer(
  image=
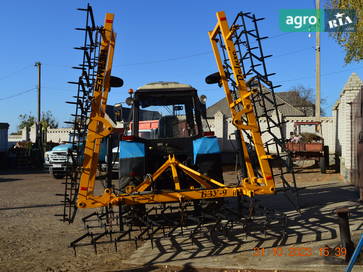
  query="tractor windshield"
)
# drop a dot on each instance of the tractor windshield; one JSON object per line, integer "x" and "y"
{"x": 175, "y": 111}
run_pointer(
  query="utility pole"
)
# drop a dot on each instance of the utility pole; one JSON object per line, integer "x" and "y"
{"x": 39, "y": 133}
{"x": 317, "y": 63}
{"x": 38, "y": 125}
{"x": 38, "y": 64}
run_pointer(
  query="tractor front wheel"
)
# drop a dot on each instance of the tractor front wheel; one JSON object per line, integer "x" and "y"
{"x": 58, "y": 175}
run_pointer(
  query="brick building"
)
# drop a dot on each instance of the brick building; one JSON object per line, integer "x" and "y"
{"x": 340, "y": 131}
{"x": 348, "y": 111}
{"x": 220, "y": 121}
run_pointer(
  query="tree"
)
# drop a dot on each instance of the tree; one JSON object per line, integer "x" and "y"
{"x": 302, "y": 98}
{"x": 26, "y": 120}
{"x": 352, "y": 42}
{"x": 47, "y": 121}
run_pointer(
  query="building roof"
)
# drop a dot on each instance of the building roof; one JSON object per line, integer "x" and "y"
{"x": 353, "y": 82}
{"x": 164, "y": 85}
{"x": 4, "y": 125}
{"x": 285, "y": 109}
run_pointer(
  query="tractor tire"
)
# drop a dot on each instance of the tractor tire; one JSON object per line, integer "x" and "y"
{"x": 337, "y": 163}
{"x": 324, "y": 160}
{"x": 322, "y": 163}
{"x": 289, "y": 164}
{"x": 58, "y": 175}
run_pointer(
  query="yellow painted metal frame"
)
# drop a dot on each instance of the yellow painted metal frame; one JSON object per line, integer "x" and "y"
{"x": 98, "y": 126}
{"x": 210, "y": 188}
{"x": 244, "y": 93}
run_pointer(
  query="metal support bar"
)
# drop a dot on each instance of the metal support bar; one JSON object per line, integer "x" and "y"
{"x": 222, "y": 29}
{"x": 345, "y": 238}
{"x": 98, "y": 126}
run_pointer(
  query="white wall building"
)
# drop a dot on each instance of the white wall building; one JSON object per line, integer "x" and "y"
{"x": 58, "y": 135}
{"x": 348, "y": 118}
{"x": 340, "y": 131}
{"x": 55, "y": 135}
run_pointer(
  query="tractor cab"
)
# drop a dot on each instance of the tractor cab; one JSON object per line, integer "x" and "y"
{"x": 178, "y": 106}
{"x": 178, "y": 132}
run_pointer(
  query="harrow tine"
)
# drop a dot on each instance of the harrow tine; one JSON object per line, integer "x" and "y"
{"x": 92, "y": 17}
{"x": 176, "y": 219}
{"x": 220, "y": 224}
{"x": 80, "y": 48}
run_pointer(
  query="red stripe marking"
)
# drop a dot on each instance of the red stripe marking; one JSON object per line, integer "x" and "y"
{"x": 109, "y": 21}
{"x": 269, "y": 177}
{"x": 84, "y": 188}
{"x": 223, "y": 18}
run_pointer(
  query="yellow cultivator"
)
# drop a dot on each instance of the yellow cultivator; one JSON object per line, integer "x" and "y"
{"x": 172, "y": 179}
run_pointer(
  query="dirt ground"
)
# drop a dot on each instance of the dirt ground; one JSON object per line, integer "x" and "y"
{"x": 32, "y": 239}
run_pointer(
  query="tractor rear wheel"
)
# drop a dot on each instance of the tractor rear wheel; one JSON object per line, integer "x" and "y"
{"x": 322, "y": 163}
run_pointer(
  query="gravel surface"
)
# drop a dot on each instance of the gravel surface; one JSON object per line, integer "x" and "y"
{"x": 32, "y": 239}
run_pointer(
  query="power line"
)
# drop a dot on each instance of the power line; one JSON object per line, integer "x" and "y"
{"x": 57, "y": 65}
{"x": 197, "y": 55}
{"x": 166, "y": 60}
{"x": 64, "y": 90}
{"x": 305, "y": 77}
{"x": 15, "y": 72}
{"x": 281, "y": 35}
{"x": 189, "y": 56}
{"x": 292, "y": 52}
{"x": 17, "y": 94}
{"x": 185, "y": 57}
{"x": 326, "y": 74}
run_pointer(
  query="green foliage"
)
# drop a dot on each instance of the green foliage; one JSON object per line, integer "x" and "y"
{"x": 48, "y": 120}
{"x": 352, "y": 42}
{"x": 28, "y": 120}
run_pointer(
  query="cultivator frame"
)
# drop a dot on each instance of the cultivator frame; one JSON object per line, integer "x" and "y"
{"x": 89, "y": 124}
{"x": 98, "y": 127}
{"x": 241, "y": 107}
{"x": 238, "y": 53}
{"x": 175, "y": 209}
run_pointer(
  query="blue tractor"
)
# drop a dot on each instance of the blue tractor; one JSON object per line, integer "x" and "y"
{"x": 183, "y": 131}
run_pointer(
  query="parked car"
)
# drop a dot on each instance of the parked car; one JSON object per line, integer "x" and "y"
{"x": 56, "y": 160}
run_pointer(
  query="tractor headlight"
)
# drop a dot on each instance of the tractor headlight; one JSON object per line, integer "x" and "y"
{"x": 129, "y": 101}
{"x": 46, "y": 157}
{"x": 203, "y": 99}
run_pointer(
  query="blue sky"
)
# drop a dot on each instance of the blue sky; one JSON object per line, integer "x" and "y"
{"x": 157, "y": 40}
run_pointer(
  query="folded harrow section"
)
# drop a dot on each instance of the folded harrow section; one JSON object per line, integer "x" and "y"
{"x": 208, "y": 207}
{"x": 254, "y": 107}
